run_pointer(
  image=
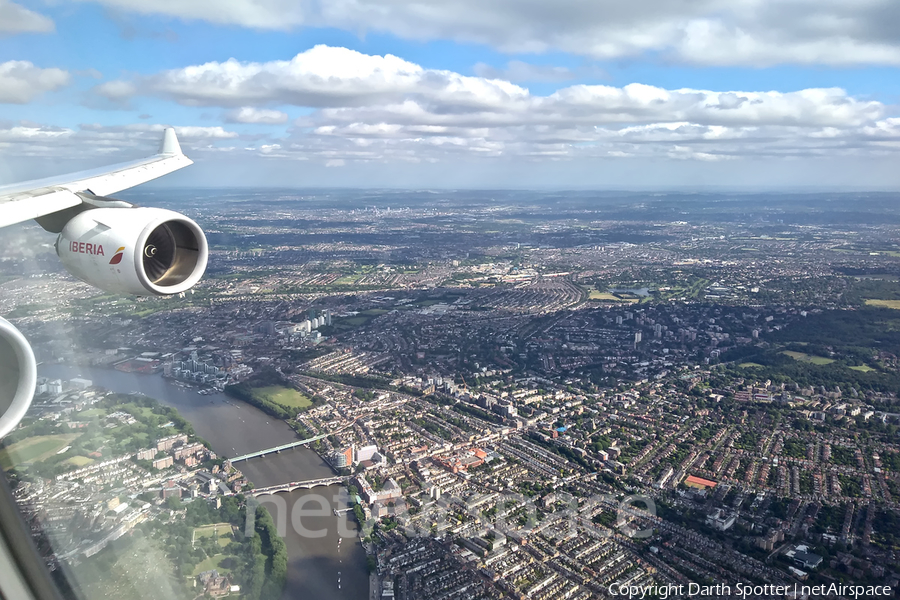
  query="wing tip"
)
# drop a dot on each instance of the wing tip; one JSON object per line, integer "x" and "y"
{"x": 169, "y": 144}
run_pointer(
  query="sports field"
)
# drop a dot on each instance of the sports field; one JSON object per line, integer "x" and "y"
{"x": 220, "y": 530}
{"x": 810, "y": 358}
{"x": 34, "y": 449}
{"x": 284, "y": 396}
{"x": 895, "y": 304}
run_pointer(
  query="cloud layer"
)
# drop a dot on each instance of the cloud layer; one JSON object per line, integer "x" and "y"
{"x": 31, "y": 139}
{"x": 381, "y": 108}
{"x": 259, "y": 116}
{"x": 705, "y": 32}
{"x": 320, "y": 77}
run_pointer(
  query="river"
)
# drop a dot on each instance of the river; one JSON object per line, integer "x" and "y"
{"x": 322, "y": 567}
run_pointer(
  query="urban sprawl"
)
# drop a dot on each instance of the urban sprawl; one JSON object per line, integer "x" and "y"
{"x": 524, "y": 395}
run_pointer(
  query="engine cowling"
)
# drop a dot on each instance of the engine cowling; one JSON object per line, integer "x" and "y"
{"x": 18, "y": 376}
{"x": 138, "y": 250}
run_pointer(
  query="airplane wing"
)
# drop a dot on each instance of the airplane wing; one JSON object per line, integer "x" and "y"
{"x": 40, "y": 197}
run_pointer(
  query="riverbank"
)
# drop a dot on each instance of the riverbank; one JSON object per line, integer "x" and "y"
{"x": 233, "y": 428}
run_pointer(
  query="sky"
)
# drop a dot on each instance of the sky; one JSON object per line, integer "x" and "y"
{"x": 569, "y": 94}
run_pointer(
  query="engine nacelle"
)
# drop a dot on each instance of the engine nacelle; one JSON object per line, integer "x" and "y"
{"x": 137, "y": 250}
{"x": 18, "y": 376}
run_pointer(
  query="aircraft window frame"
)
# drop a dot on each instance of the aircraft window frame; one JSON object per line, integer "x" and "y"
{"x": 24, "y": 575}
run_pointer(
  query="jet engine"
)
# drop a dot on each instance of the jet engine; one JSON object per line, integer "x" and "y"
{"x": 18, "y": 376}
{"x": 135, "y": 250}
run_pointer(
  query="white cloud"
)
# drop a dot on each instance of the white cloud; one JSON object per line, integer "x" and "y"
{"x": 719, "y": 32}
{"x": 635, "y": 103}
{"x": 204, "y": 133}
{"x": 346, "y": 84}
{"x": 659, "y": 154}
{"x": 94, "y": 142}
{"x": 686, "y": 153}
{"x": 29, "y": 132}
{"x": 18, "y": 19}
{"x": 886, "y": 129}
{"x": 21, "y": 81}
{"x": 374, "y": 108}
{"x": 320, "y": 76}
{"x": 262, "y": 116}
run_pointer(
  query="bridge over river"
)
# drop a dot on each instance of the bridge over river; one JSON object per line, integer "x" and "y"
{"x": 298, "y": 485}
{"x": 277, "y": 449}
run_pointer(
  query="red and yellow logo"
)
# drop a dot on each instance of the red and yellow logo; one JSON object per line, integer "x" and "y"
{"x": 117, "y": 257}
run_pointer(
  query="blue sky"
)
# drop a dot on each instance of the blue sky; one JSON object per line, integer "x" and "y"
{"x": 648, "y": 94}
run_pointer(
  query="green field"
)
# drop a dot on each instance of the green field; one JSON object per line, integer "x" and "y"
{"x": 347, "y": 280}
{"x": 222, "y": 530}
{"x": 895, "y": 304}
{"x": 34, "y": 449}
{"x": 91, "y": 413}
{"x": 283, "y": 396}
{"x": 607, "y": 297}
{"x": 747, "y": 365}
{"x": 355, "y": 321}
{"x": 135, "y": 410}
{"x": 429, "y": 302}
{"x": 803, "y": 357}
{"x": 363, "y": 318}
{"x": 863, "y": 368}
{"x": 79, "y": 461}
{"x": 213, "y": 562}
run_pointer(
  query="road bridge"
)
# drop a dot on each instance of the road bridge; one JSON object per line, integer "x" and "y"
{"x": 298, "y": 485}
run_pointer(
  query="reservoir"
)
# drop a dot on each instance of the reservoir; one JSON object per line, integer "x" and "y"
{"x": 318, "y": 567}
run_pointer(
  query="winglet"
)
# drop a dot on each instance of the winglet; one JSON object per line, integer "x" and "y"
{"x": 169, "y": 143}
